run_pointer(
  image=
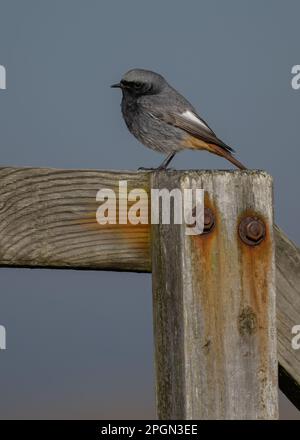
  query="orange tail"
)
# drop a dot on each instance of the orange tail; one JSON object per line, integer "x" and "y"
{"x": 221, "y": 152}
{"x": 198, "y": 144}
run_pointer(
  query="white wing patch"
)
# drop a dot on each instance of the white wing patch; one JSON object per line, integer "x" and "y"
{"x": 152, "y": 115}
{"x": 192, "y": 117}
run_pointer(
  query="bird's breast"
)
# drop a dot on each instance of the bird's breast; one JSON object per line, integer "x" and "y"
{"x": 150, "y": 130}
{"x": 130, "y": 111}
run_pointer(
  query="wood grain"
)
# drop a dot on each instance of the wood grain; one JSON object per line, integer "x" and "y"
{"x": 48, "y": 219}
{"x": 214, "y": 305}
{"x": 288, "y": 314}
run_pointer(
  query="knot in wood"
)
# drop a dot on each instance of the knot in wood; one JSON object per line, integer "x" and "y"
{"x": 247, "y": 322}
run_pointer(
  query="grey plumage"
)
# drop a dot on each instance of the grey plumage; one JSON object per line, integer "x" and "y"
{"x": 162, "y": 119}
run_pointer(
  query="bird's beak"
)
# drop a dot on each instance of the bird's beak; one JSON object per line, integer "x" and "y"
{"x": 115, "y": 86}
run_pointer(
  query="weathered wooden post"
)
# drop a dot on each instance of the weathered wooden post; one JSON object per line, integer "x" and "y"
{"x": 214, "y": 302}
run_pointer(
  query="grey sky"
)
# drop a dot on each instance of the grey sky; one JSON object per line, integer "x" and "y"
{"x": 79, "y": 343}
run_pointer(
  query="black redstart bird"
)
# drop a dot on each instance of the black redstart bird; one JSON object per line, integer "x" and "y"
{"x": 163, "y": 120}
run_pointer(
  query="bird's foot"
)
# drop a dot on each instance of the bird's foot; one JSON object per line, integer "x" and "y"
{"x": 146, "y": 169}
{"x": 164, "y": 168}
{"x": 160, "y": 168}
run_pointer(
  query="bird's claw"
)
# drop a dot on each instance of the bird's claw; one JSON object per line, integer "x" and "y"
{"x": 146, "y": 169}
{"x": 164, "y": 169}
{"x": 155, "y": 169}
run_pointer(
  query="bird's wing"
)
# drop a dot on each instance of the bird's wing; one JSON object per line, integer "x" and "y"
{"x": 192, "y": 124}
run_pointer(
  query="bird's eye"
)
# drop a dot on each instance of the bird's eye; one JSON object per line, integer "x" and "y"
{"x": 138, "y": 85}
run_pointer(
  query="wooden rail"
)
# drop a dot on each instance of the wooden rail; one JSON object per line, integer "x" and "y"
{"x": 47, "y": 219}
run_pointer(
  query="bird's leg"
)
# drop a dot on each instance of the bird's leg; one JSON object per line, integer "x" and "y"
{"x": 165, "y": 163}
{"x": 162, "y": 166}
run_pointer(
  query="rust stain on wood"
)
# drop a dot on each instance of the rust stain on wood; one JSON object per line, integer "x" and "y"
{"x": 208, "y": 282}
{"x": 253, "y": 321}
{"x": 124, "y": 232}
{"x": 256, "y": 263}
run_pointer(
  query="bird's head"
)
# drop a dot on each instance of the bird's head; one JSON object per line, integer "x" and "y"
{"x": 138, "y": 82}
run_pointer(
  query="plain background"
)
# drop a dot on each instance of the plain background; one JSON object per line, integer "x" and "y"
{"x": 80, "y": 343}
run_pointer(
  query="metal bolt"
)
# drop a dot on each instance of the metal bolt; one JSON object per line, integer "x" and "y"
{"x": 252, "y": 230}
{"x": 209, "y": 221}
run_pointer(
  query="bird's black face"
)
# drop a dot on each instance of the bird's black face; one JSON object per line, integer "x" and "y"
{"x": 139, "y": 82}
{"x": 136, "y": 88}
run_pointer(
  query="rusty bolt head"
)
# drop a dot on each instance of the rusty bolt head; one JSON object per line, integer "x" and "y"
{"x": 252, "y": 230}
{"x": 209, "y": 221}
